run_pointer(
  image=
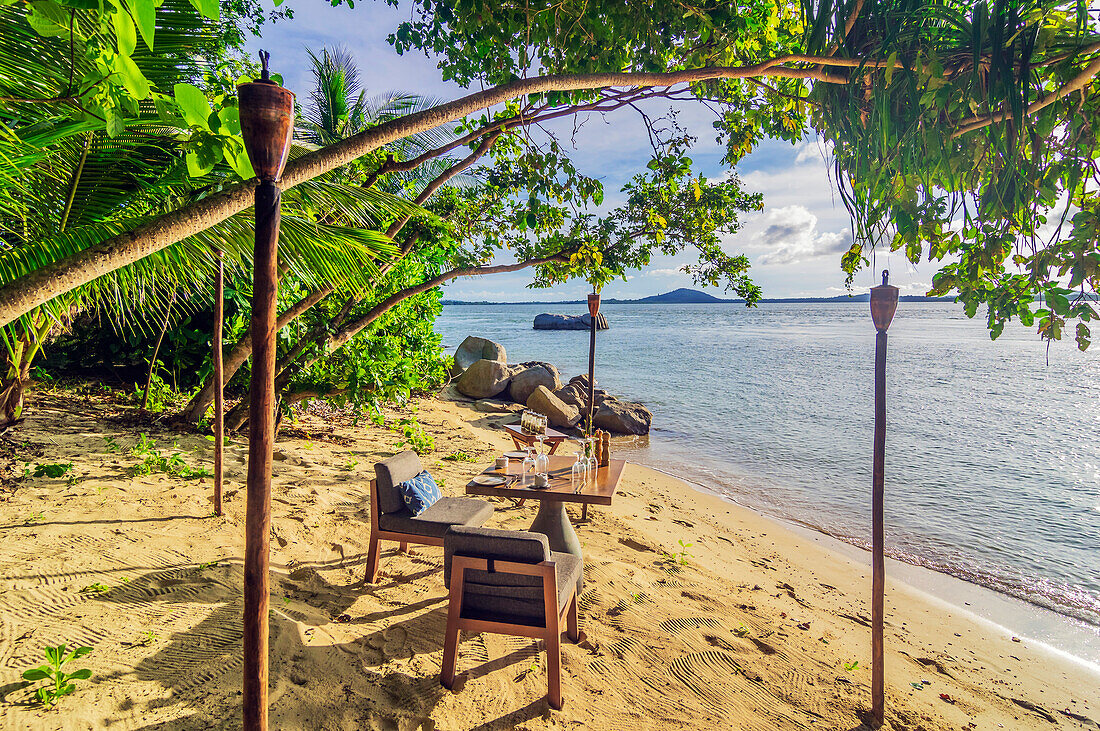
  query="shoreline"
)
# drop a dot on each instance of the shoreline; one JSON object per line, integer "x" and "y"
{"x": 699, "y": 613}
{"x": 1005, "y": 612}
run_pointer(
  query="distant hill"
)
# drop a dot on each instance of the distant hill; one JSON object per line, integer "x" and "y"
{"x": 685, "y": 296}
{"x": 681, "y": 296}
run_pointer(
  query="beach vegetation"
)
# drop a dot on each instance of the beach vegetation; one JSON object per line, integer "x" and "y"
{"x": 57, "y": 469}
{"x": 850, "y": 666}
{"x": 460, "y": 456}
{"x": 154, "y": 461}
{"x": 96, "y": 588}
{"x": 414, "y": 436}
{"x": 34, "y": 518}
{"x": 59, "y": 682}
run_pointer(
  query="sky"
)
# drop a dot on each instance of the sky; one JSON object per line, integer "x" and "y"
{"x": 794, "y": 244}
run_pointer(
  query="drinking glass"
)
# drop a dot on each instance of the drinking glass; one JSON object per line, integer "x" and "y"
{"x": 578, "y": 474}
{"x": 528, "y": 464}
{"x": 542, "y": 460}
{"x": 590, "y": 450}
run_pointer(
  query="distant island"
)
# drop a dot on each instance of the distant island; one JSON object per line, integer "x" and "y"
{"x": 685, "y": 296}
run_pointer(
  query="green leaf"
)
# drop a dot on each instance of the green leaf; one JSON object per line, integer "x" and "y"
{"x": 48, "y": 19}
{"x": 209, "y": 8}
{"x": 145, "y": 13}
{"x": 193, "y": 105}
{"x": 132, "y": 79}
{"x": 890, "y": 61}
{"x": 40, "y": 673}
{"x": 124, "y": 32}
{"x": 115, "y": 125}
{"x": 83, "y": 674}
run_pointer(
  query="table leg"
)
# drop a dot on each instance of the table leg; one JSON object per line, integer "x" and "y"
{"x": 553, "y": 522}
{"x": 553, "y": 447}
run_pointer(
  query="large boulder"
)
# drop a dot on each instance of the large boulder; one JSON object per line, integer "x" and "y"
{"x": 528, "y": 377}
{"x": 575, "y": 393}
{"x": 547, "y": 321}
{"x": 622, "y": 417}
{"x": 559, "y": 413}
{"x": 474, "y": 349}
{"x": 484, "y": 379}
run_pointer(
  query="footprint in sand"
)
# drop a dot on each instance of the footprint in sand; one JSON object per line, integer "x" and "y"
{"x": 390, "y": 641}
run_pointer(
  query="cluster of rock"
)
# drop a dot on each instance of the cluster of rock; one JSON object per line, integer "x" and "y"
{"x": 481, "y": 371}
{"x": 547, "y": 321}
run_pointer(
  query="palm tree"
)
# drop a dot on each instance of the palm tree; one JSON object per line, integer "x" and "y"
{"x": 65, "y": 185}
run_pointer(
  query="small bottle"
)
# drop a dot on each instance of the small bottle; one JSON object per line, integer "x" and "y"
{"x": 605, "y": 448}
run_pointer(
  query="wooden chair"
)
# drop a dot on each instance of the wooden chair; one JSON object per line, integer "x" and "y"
{"x": 509, "y": 582}
{"x": 391, "y": 520}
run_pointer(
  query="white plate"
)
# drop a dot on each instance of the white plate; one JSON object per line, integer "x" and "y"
{"x": 515, "y": 455}
{"x": 488, "y": 480}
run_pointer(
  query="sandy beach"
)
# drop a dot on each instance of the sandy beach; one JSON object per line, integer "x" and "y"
{"x": 756, "y": 627}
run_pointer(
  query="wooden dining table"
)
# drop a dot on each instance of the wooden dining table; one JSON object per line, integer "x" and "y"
{"x": 523, "y": 439}
{"x": 552, "y": 520}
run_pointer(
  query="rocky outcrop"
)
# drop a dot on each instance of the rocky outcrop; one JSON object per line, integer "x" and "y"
{"x": 575, "y": 393}
{"x": 484, "y": 379}
{"x": 559, "y": 413}
{"x": 474, "y": 349}
{"x": 547, "y": 321}
{"x": 622, "y": 417}
{"x": 530, "y": 375}
{"x": 496, "y": 406}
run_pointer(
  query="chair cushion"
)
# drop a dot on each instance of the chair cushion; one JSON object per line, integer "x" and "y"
{"x": 390, "y": 473}
{"x": 497, "y": 544}
{"x": 435, "y": 520}
{"x": 504, "y": 597}
{"x": 519, "y": 604}
{"x": 420, "y": 493}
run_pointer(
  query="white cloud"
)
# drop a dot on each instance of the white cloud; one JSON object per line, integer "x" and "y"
{"x": 664, "y": 273}
{"x": 791, "y": 235}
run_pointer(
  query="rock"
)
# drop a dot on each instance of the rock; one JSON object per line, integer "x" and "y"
{"x": 622, "y": 417}
{"x": 474, "y": 349}
{"x": 493, "y": 406}
{"x": 547, "y": 321}
{"x": 576, "y": 394}
{"x": 559, "y": 413}
{"x": 484, "y": 379}
{"x": 532, "y": 375}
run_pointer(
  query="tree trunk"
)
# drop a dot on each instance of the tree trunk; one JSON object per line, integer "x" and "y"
{"x": 24, "y": 294}
{"x": 239, "y": 353}
{"x": 239, "y": 415}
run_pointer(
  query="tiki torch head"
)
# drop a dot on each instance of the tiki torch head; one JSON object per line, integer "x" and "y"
{"x": 267, "y": 123}
{"x": 884, "y": 302}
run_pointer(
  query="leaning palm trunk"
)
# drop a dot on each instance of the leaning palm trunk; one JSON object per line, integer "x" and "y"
{"x": 20, "y": 354}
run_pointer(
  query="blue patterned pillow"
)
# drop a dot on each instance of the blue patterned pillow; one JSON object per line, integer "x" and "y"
{"x": 420, "y": 492}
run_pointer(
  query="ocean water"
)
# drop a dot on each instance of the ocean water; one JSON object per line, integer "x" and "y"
{"x": 992, "y": 464}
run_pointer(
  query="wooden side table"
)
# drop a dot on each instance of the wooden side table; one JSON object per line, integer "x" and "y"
{"x": 552, "y": 438}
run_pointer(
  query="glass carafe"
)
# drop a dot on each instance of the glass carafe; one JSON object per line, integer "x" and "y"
{"x": 528, "y": 464}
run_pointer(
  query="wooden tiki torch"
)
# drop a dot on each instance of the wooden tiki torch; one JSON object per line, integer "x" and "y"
{"x": 884, "y": 302}
{"x": 219, "y": 381}
{"x": 267, "y": 125}
{"x": 594, "y": 311}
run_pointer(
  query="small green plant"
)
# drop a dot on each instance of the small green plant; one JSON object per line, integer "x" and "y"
{"x": 58, "y": 469}
{"x": 111, "y": 445}
{"x": 27, "y": 471}
{"x": 60, "y": 682}
{"x": 460, "y": 457}
{"x": 850, "y": 666}
{"x": 349, "y": 466}
{"x": 161, "y": 395}
{"x": 148, "y": 638}
{"x": 207, "y": 565}
{"x": 683, "y": 554}
{"x": 415, "y": 437}
{"x": 153, "y": 461}
{"x": 741, "y": 631}
{"x": 33, "y": 518}
{"x": 96, "y": 588}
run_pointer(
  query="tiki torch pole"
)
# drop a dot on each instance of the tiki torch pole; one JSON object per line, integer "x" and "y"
{"x": 884, "y": 302}
{"x": 267, "y": 124}
{"x": 593, "y": 311}
{"x": 219, "y": 385}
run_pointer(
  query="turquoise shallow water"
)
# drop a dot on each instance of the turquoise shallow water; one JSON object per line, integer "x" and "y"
{"x": 993, "y": 465}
